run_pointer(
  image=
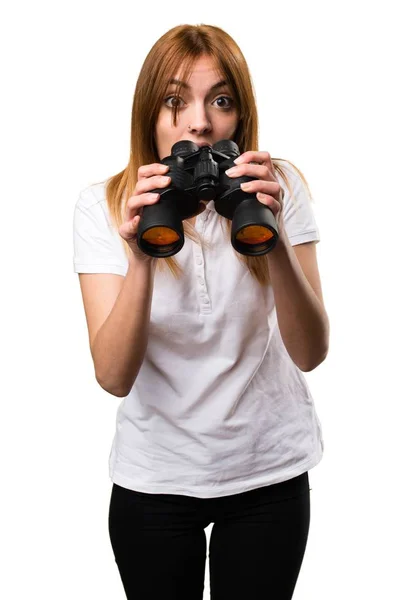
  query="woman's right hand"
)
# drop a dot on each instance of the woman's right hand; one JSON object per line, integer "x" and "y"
{"x": 150, "y": 177}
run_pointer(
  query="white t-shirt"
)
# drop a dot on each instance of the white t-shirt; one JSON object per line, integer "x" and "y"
{"x": 218, "y": 406}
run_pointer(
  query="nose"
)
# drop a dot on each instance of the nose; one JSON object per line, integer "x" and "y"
{"x": 199, "y": 122}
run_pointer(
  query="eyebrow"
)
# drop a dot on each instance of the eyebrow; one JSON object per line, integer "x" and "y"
{"x": 188, "y": 87}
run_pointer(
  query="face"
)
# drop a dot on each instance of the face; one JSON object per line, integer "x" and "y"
{"x": 205, "y": 114}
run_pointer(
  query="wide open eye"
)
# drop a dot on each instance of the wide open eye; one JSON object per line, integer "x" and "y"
{"x": 230, "y": 100}
{"x": 172, "y": 104}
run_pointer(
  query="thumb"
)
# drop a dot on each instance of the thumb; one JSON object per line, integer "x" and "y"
{"x": 129, "y": 229}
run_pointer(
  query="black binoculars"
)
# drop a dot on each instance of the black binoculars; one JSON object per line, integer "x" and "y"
{"x": 198, "y": 173}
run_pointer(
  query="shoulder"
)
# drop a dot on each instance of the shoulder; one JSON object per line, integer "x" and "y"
{"x": 91, "y": 196}
{"x": 92, "y": 212}
{"x": 292, "y": 175}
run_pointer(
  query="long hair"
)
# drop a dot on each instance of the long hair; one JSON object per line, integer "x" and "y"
{"x": 178, "y": 49}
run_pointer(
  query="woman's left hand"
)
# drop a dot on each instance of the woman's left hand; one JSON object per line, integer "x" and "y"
{"x": 267, "y": 189}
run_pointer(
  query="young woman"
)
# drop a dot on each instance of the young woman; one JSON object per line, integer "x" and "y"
{"x": 207, "y": 348}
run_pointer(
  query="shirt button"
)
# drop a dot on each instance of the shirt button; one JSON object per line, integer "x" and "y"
{"x": 206, "y": 300}
{"x": 199, "y": 261}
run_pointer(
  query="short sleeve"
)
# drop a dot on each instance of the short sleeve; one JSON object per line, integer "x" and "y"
{"x": 298, "y": 212}
{"x": 97, "y": 245}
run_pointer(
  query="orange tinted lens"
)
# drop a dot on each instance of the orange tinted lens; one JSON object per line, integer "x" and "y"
{"x": 254, "y": 234}
{"x": 160, "y": 236}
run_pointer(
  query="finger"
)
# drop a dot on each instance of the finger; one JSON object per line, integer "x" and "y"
{"x": 136, "y": 203}
{"x": 153, "y": 169}
{"x": 265, "y": 198}
{"x": 269, "y": 201}
{"x": 253, "y": 155}
{"x": 252, "y": 170}
{"x": 151, "y": 183}
{"x": 259, "y": 185}
{"x": 129, "y": 229}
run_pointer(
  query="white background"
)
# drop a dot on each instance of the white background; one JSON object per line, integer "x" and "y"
{"x": 330, "y": 84}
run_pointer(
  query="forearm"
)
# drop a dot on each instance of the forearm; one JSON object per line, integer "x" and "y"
{"x": 302, "y": 319}
{"x": 120, "y": 344}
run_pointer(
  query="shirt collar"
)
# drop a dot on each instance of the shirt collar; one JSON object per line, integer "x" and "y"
{"x": 210, "y": 205}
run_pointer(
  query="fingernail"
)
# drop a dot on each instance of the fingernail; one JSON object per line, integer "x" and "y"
{"x": 238, "y": 160}
{"x": 231, "y": 171}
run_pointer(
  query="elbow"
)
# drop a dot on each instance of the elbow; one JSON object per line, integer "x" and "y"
{"x": 311, "y": 365}
{"x": 118, "y": 391}
{"x": 318, "y": 357}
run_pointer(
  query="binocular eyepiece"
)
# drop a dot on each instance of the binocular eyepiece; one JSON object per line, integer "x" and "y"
{"x": 199, "y": 174}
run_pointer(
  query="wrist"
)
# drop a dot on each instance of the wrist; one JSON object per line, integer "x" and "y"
{"x": 142, "y": 260}
{"x": 283, "y": 242}
{"x": 280, "y": 254}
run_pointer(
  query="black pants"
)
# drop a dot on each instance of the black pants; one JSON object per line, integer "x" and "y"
{"x": 257, "y": 542}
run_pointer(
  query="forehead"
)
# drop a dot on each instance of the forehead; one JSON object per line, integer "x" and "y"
{"x": 204, "y": 66}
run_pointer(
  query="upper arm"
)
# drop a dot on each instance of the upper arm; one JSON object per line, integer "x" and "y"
{"x": 99, "y": 293}
{"x": 307, "y": 257}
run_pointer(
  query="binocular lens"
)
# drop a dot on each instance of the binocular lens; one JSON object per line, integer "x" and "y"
{"x": 160, "y": 236}
{"x": 254, "y": 234}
